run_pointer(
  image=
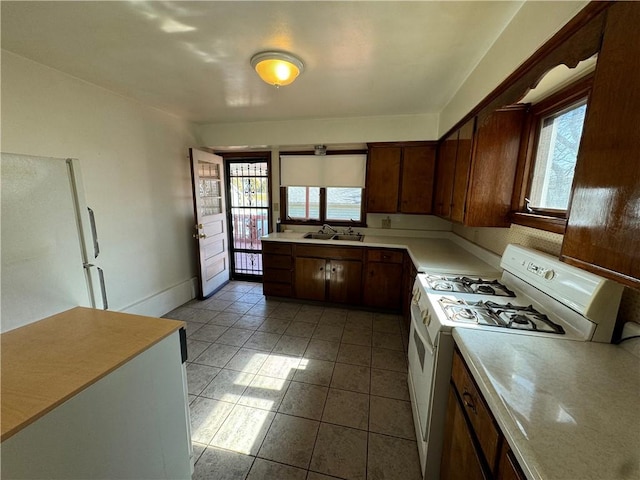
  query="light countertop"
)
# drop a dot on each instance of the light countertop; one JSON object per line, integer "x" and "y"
{"x": 428, "y": 254}
{"x": 569, "y": 410}
{"x": 47, "y": 362}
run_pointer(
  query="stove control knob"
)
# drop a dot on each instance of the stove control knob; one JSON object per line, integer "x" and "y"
{"x": 549, "y": 274}
{"x": 416, "y": 296}
{"x": 426, "y": 317}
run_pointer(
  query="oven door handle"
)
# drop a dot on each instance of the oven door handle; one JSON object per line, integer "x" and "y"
{"x": 416, "y": 317}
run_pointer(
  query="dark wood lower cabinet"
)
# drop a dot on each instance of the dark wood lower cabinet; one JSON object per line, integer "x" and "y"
{"x": 474, "y": 447}
{"x": 345, "y": 280}
{"x": 460, "y": 459}
{"x": 320, "y": 279}
{"x": 310, "y": 278}
{"x": 383, "y": 285}
{"x": 383, "y": 279}
{"x": 374, "y": 277}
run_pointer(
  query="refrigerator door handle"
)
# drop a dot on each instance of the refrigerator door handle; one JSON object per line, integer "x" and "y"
{"x": 103, "y": 289}
{"x": 94, "y": 233}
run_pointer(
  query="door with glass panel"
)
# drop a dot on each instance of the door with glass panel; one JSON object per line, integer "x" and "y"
{"x": 249, "y": 213}
{"x": 210, "y": 227}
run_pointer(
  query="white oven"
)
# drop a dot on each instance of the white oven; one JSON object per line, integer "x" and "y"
{"x": 536, "y": 295}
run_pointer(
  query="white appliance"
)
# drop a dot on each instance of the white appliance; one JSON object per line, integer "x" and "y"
{"x": 536, "y": 295}
{"x": 49, "y": 242}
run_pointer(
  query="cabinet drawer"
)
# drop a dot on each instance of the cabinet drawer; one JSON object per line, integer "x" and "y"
{"x": 277, "y": 289}
{"x": 276, "y": 275}
{"x": 328, "y": 252}
{"x": 477, "y": 412}
{"x": 278, "y": 248}
{"x": 386, "y": 256}
{"x": 277, "y": 261}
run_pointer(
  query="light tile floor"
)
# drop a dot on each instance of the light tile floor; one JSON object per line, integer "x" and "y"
{"x": 282, "y": 390}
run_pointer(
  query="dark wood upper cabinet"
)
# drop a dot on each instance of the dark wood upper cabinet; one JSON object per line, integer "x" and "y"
{"x": 476, "y": 169}
{"x": 446, "y": 167}
{"x": 462, "y": 169}
{"x": 418, "y": 169}
{"x": 383, "y": 179}
{"x": 603, "y": 227}
{"x": 400, "y": 177}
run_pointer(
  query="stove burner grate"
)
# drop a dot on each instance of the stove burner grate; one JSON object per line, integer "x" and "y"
{"x": 501, "y": 315}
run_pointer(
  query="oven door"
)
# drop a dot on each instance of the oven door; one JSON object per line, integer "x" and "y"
{"x": 422, "y": 354}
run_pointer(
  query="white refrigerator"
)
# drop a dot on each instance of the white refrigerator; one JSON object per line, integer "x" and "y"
{"x": 49, "y": 246}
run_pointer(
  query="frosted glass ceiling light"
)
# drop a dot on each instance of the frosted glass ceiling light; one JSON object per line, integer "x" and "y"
{"x": 277, "y": 68}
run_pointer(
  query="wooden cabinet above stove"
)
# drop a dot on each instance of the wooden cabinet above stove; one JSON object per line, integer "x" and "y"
{"x": 476, "y": 169}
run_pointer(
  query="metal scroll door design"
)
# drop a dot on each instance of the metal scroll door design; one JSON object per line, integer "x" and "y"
{"x": 249, "y": 207}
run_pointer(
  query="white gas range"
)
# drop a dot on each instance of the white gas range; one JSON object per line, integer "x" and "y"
{"x": 536, "y": 295}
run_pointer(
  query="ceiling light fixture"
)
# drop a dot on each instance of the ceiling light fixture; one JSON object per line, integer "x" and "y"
{"x": 277, "y": 68}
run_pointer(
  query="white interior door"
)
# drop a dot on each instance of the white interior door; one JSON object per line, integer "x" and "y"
{"x": 211, "y": 220}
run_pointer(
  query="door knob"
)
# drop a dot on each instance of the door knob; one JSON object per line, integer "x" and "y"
{"x": 199, "y": 235}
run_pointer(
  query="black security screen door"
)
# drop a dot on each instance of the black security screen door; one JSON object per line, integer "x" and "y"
{"x": 249, "y": 213}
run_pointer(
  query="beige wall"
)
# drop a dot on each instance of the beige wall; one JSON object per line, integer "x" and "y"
{"x": 135, "y": 171}
{"x": 496, "y": 239}
{"x": 321, "y": 131}
{"x": 530, "y": 28}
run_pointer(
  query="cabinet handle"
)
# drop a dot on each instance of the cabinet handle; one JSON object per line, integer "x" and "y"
{"x": 467, "y": 399}
{"x": 333, "y": 269}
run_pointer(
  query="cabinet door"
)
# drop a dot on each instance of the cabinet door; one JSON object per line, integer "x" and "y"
{"x": 446, "y": 166}
{"x": 310, "y": 278}
{"x": 345, "y": 280}
{"x": 462, "y": 168}
{"x": 418, "y": 170}
{"x": 492, "y": 174}
{"x": 603, "y": 228}
{"x": 383, "y": 179}
{"x": 383, "y": 285}
{"x": 460, "y": 460}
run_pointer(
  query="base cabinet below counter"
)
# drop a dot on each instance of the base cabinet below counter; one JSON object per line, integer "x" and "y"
{"x": 350, "y": 275}
{"x": 474, "y": 447}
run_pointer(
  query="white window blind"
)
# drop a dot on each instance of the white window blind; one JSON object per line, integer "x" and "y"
{"x": 323, "y": 170}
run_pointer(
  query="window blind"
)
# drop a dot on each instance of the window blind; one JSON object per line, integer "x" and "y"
{"x": 323, "y": 170}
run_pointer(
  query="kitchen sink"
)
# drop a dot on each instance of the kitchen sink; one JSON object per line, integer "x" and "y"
{"x": 353, "y": 237}
{"x": 350, "y": 237}
{"x": 319, "y": 236}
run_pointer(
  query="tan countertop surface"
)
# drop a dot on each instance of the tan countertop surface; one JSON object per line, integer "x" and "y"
{"x": 568, "y": 409}
{"x": 428, "y": 254}
{"x": 47, "y": 362}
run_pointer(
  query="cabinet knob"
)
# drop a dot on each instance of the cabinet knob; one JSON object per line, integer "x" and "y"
{"x": 321, "y": 268}
{"x": 467, "y": 399}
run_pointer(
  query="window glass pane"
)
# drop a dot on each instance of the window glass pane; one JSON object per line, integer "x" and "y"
{"x": 303, "y": 203}
{"x": 344, "y": 203}
{"x": 556, "y": 155}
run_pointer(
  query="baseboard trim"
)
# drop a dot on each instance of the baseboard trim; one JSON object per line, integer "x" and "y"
{"x": 163, "y": 302}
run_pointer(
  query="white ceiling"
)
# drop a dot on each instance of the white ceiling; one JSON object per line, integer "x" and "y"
{"x": 361, "y": 58}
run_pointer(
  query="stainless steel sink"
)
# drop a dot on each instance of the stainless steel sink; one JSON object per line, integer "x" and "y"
{"x": 349, "y": 237}
{"x": 319, "y": 236}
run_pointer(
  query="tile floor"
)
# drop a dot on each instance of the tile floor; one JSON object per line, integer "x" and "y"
{"x": 282, "y": 390}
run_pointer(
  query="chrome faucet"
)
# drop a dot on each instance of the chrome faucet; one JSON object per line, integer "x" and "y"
{"x": 328, "y": 227}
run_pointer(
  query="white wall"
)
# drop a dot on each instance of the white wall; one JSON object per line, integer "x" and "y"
{"x": 135, "y": 172}
{"x": 534, "y": 24}
{"x": 321, "y": 131}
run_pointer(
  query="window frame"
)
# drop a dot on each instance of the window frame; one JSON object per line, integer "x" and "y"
{"x": 551, "y": 220}
{"x": 323, "y": 212}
